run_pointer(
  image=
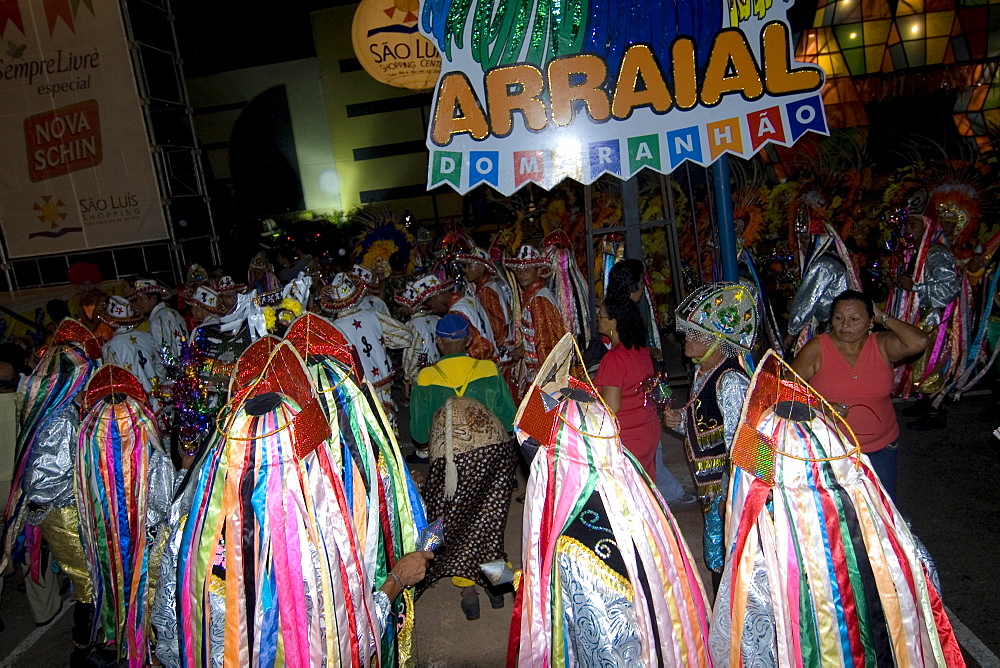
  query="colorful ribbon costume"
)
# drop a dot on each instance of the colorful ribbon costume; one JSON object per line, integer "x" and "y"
{"x": 46, "y": 457}
{"x": 382, "y": 500}
{"x": 269, "y": 531}
{"x": 124, "y": 485}
{"x": 821, "y": 569}
{"x": 608, "y": 578}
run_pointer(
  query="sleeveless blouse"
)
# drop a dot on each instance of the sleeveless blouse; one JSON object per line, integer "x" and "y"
{"x": 864, "y": 388}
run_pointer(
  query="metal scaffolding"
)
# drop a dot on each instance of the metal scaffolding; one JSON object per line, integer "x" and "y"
{"x": 149, "y": 26}
{"x": 156, "y": 62}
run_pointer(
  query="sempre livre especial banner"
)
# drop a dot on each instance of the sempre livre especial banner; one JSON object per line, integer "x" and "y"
{"x": 76, "y": 167}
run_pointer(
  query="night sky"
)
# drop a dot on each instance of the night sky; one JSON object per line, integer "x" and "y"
{"x": 224, "y": 35}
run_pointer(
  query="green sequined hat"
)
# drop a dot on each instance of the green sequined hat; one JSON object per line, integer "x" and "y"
{"x": 722, "y": 314}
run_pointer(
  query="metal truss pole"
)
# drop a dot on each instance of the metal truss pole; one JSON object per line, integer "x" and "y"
{"x": 149, "y": 25}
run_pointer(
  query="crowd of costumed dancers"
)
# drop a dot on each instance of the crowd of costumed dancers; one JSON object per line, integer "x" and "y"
{"x": 238, "y": 496}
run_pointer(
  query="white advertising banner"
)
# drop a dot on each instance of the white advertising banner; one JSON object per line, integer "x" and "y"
{"x": 76, "y": 168}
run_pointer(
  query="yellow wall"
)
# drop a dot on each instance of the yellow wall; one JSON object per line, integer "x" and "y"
{"x": 216, "y": 101}
{"x": 336, "y": 109}
{"x": 345, "y": 86}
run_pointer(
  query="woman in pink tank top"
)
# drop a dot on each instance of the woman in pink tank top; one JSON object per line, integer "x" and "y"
{"x": 852, "y": 365}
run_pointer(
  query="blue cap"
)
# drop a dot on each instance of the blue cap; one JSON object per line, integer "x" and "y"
{"x": 453, "y": 327}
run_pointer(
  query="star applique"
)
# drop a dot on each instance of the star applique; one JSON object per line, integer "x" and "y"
{"x": 133, "y": 340}
{"x": 128, "y": 366}
{"x": 357, "y": 324}
{"x": 375, "y": 371}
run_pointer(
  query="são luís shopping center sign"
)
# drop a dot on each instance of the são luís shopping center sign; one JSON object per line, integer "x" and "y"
{"x": 530, "y": 94}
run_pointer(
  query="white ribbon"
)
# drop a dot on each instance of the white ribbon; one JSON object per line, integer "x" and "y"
{"x": 246, "y": 311}
{"x": 299, "y": 288}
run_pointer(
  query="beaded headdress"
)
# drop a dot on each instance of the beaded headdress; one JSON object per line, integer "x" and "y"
{"x": 407, "y": 296}
{"x": 527, "y": 256}
{"x": 227, "y": 284}
{"x": 478, "y": 255}
{"x": 363, "y": 274}
{"x": 208, "y": 299}
{"x": 428, "y": 286}
{"x": 145, "y": 286}
{"x": 722, "y": 314}
{"x": 342, "y": 292}
{"x": 120, "y": 312}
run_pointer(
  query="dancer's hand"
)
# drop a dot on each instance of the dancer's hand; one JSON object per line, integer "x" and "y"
{"x": 671, "y": 418}
{"x": 412, "y": 567}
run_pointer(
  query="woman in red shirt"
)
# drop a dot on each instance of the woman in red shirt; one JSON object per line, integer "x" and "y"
{"x": 852, "y": 367}
{"x": 620, "y": 376}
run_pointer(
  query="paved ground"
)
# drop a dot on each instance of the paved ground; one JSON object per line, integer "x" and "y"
{"x": 947, "y": 487}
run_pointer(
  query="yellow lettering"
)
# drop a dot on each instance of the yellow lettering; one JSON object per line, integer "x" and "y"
{"x": 685, "y": 73}
{"x": 457, "y": 111}
{"x": 779, "y": 77}
{"x": 527, "y": 81}
{"x": 731, "y": 53}
{"x": 639, "y": 62}
{"x": 563, "y": 92}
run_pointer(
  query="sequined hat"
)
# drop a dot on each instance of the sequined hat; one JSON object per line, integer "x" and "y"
{"x": 226, "y": 284}
{"x": 260, "y": 261}
{"x": 428, "y": 286}
{"x": 145, "y": 286}
{"x": 196, "y": 273}
{"x": 207, "y": 298}
{"x": 363, "y": 274}
{"x": 527, "y": 256}
{"x": 111, "y": 380}
{"x": 120, "y": 312}
{"x": 342, "y": 292}
{"x": 477, "y": 254}
{"x": 75, "y": 333}
{"x": 424, "y": 236}
{"x": 407, "y": 296}
{"x": 312, "y": 335}
{"x": 722, "y": 314}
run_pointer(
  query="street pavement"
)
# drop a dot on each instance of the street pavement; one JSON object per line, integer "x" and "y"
{"x": 947, "y": 489}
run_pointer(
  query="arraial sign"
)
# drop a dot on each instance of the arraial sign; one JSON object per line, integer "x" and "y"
{"x": 609, "y": 86}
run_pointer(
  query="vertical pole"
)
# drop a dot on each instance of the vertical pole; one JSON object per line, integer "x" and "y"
{"x": 630, "y": 213}
{"x": 724, "y": 220}
{"x": 588, "y": 213}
